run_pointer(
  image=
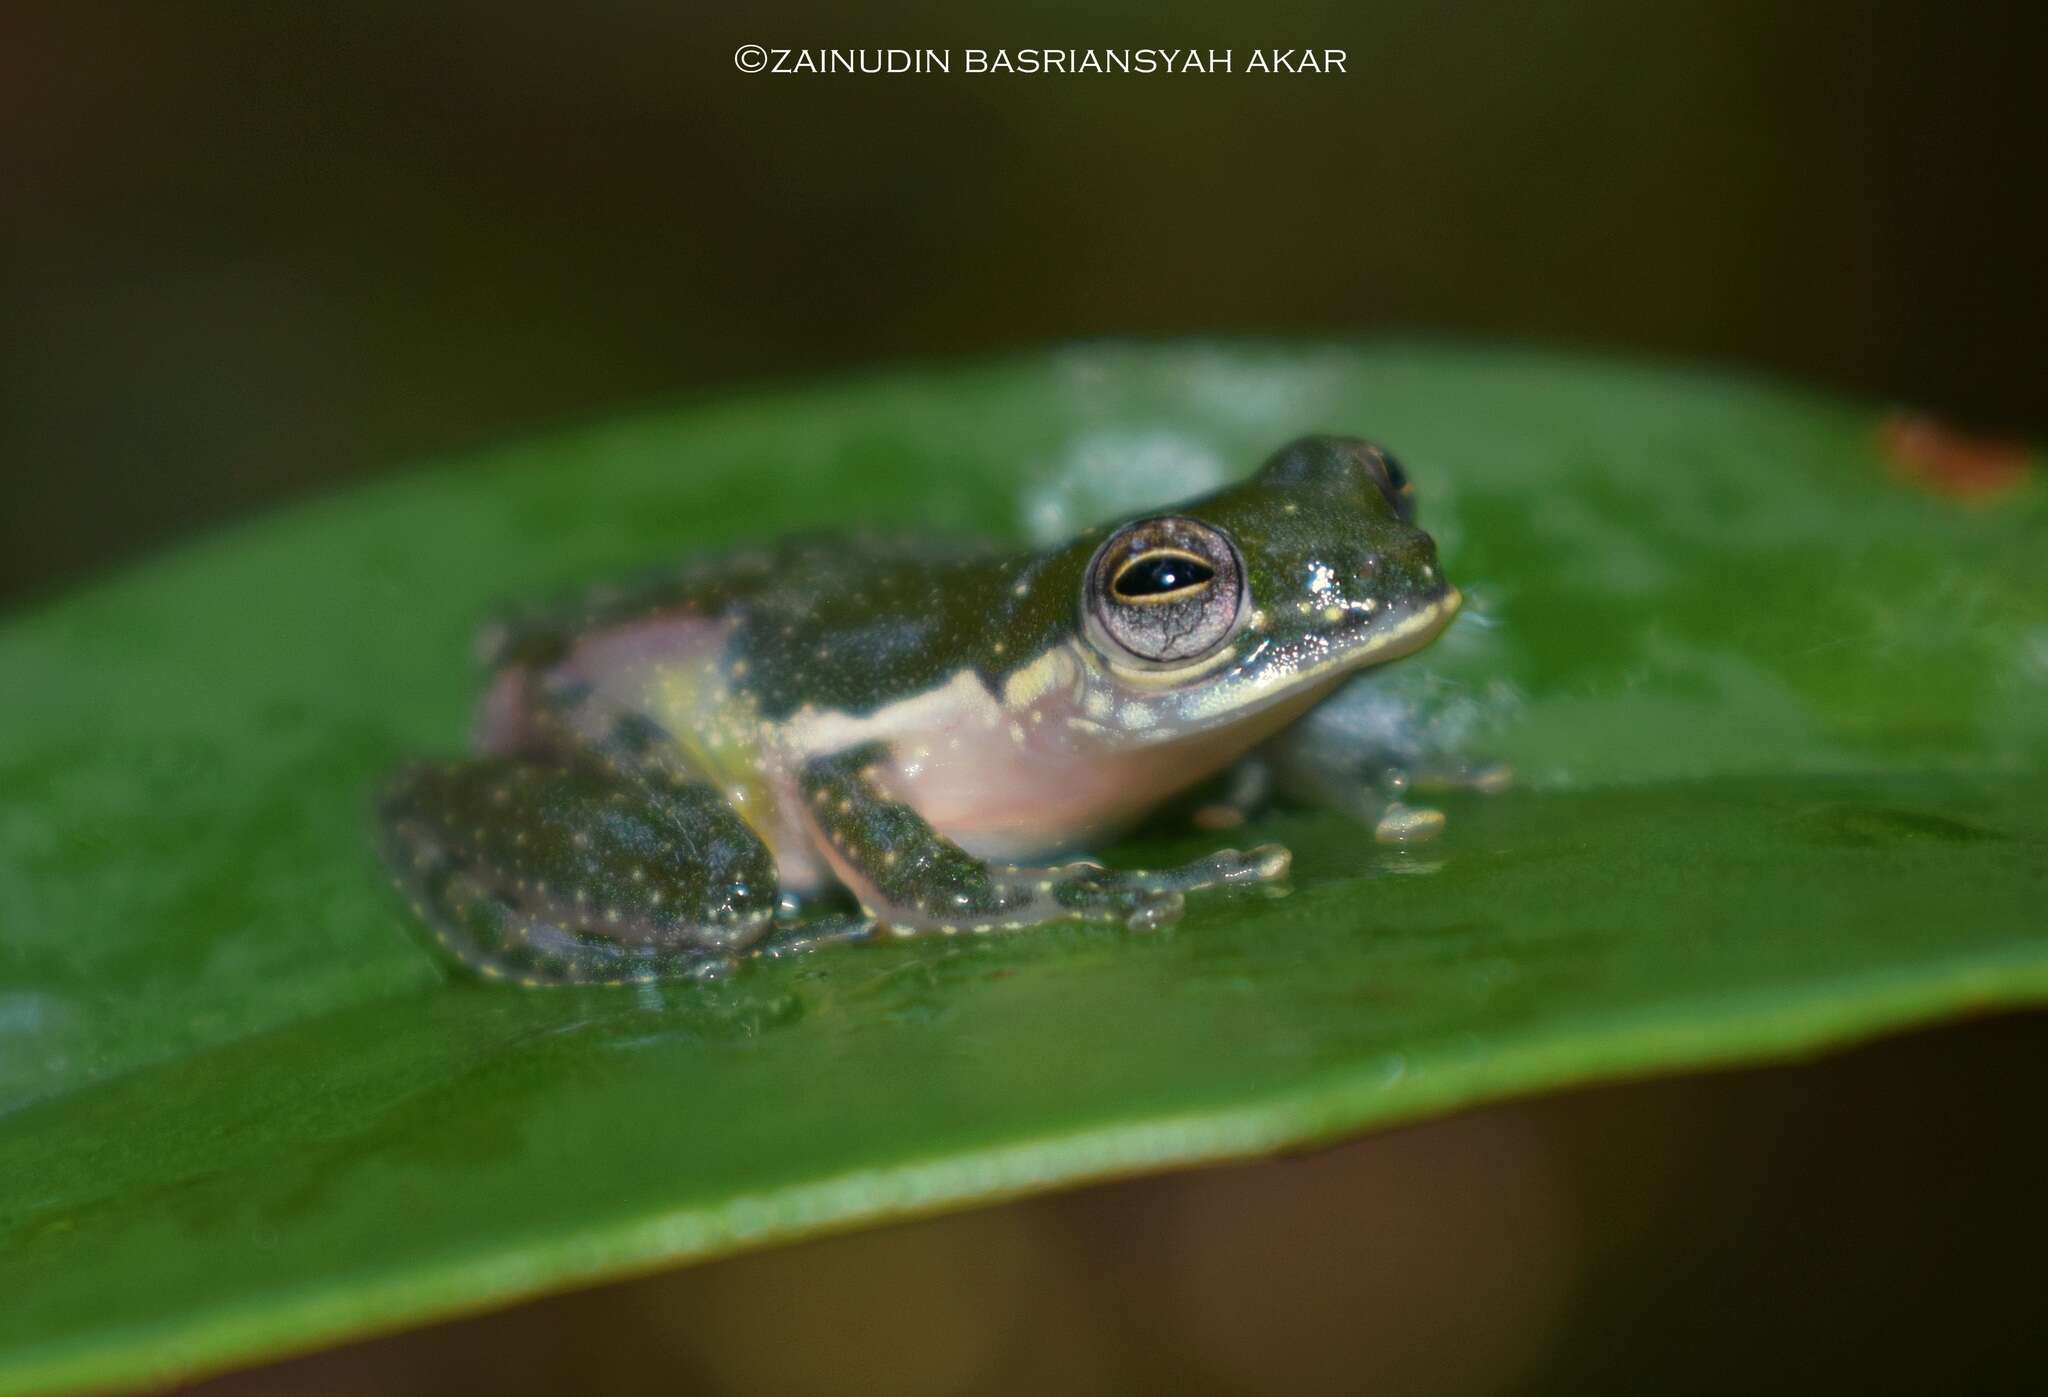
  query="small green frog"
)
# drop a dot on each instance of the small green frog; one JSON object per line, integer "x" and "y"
{"x": 666, "y": 769}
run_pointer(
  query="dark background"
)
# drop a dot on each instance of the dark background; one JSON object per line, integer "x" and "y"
{"x": 251, "y": 251}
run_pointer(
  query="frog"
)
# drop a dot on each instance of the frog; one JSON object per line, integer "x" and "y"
{"x": 669, "y": 774}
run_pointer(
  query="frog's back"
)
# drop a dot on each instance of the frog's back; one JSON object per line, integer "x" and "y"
{"x": 833, "y": 620}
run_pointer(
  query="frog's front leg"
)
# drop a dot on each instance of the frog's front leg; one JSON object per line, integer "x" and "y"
{"x": 1376, "y": 801}
{"x": 1365, "y": 756}
{"x": 1248, "y": 787}
{"x": 909, "y": 878}
{"x": 576, "y": 873}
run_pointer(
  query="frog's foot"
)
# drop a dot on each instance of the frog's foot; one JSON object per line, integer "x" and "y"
{"x": 1373, "y": 788}
{"x": 1376, "y": 800}
{"x": 1377, "y": 803}
{"x": 569, "y": 875}
{"x": 1143, "y": 899}
{"x": 911, "y": 879}
{"x": 1010, "y": 897}
{"x": 1394, "y": 821}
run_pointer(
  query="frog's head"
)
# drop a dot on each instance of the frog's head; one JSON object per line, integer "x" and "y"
{"x": 1272, "y": 590}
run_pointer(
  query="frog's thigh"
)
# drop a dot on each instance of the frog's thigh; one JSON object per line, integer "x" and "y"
{"x": 910, "y": 878}
{"x": 571, "y": 875}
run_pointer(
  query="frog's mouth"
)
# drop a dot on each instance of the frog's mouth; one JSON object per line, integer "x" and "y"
{"x": 1403, "y": 633}
{"x": 1290, "y": 675}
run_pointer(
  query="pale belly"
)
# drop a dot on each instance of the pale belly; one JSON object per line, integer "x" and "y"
{"x": 1015, "y": 781}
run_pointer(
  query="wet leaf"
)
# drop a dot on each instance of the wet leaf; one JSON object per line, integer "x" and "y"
{"x": 1781, "y": 720}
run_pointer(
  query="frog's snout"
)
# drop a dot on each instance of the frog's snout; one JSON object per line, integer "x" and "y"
{"x": 1413, "y": 573}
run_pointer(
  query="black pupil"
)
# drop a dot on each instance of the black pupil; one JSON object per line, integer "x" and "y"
{"x": 1160, "y": 574}
{"x": 1396, "y": 477}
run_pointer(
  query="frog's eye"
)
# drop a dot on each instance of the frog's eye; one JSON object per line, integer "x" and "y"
{"x": 1164, "y": 591}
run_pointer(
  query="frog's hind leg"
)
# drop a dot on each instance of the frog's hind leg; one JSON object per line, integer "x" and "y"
{"x": 549, "y": 874}
{"x": 910, "y": 878}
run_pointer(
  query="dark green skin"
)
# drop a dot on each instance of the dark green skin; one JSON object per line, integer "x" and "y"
{"x": 593, "y": 840}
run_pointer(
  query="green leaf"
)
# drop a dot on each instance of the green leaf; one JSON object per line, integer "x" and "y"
{"x": 1781, "y": 718}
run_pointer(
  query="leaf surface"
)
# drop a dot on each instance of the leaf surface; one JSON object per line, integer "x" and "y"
{"x": 1780, "y": 714}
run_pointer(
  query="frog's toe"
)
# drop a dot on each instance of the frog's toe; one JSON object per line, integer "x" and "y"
{"x": 1408, "y": 824}
{"x": 1224, "y": 868}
